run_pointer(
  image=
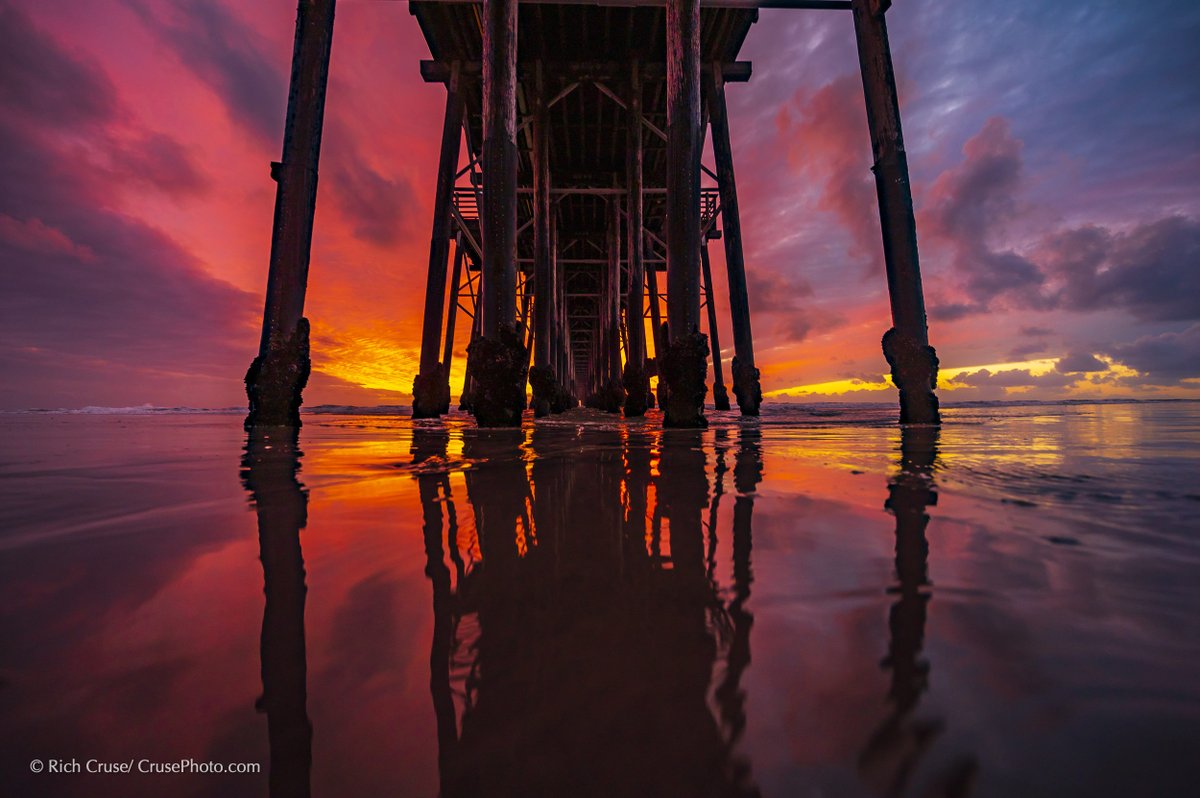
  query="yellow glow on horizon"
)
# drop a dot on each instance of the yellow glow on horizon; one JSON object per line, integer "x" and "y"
{"x": 370, "y": 362}
{"x": 1035, "y": 367}
{"x": 945, "y": 377}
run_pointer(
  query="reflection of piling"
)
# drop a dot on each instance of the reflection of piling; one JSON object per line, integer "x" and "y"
{"x": 909, "y": 494}
{"x": 269, "y": 470}
{"x": 894, "y": 750}
{"x": 747, "y": 473}
{"x": 555, "y": 145}
{"x": 433, "y": 487}
{"x": 683, "y": 491}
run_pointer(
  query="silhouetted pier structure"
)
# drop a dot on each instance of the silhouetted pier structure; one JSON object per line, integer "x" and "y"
{"x": 584, "y": 125}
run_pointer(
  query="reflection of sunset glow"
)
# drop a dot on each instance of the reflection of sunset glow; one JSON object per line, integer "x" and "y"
{"x": 376, "y": 500}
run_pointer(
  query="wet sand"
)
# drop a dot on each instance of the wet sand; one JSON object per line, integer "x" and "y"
{"x": 817, "y": 603}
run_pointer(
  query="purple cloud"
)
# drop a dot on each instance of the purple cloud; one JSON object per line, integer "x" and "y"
{"x": 1170, "y": 357}
{"x": 92, "y": 295}
{"x": 1080, "y": 362}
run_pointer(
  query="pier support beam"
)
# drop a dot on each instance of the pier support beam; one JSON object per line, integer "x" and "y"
{"x": 452, "y": 310}
{"x": 497, "y": 359}
{"x": 545, "y": 379}
{"x": 906, "y": 346}
{"x": 277, "y": 377}
{"x": 431, "y": 386}
{"x": 684, "y": 364}
{"x": 565, "y": 398}
{"x": 637, "y": 384}
{"x": 657, "y": 330}
{"x": 612, "y": 392}
{"x": 746, "y": 384}
{"x": 720, "y": 395}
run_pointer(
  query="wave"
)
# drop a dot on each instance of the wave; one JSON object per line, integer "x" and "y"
{"x": 135, "y": 410}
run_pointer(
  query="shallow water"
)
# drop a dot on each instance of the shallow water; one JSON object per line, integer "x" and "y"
{"x": 814, "y": 604}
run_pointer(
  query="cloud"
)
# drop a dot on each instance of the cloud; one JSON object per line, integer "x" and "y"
{"x": 782, "y": 299}
{"x": 968, "y": 204}
{"x": 227, "y": 55}
{"x": 46, "y": 88}
{"x": 87, "y": 286}
{"x": 1011, "y": 378}
{"x": 380, "y": 210}
{"x": 948, "y": 310}
{"x": 41, "y": 83}
{"x": 1171, "y": 356}
{"x": 825, "y": 131}
{"x": 159, "y": 162}
{"x": 35, "y": 237}
{"x": 1152, "y": 271}
{"x": 1026, "y": 351}
{"x": 1080, "y": 362}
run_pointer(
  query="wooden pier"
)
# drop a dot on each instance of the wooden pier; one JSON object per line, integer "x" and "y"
{"x": 580, "y": 195}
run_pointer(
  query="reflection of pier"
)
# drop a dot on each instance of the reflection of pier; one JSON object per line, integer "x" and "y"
{"x": 585, "y": 125}
{"x": 895, "y": 749}
{"x": 269, "y": 474}
{"x": 592, "y": 666}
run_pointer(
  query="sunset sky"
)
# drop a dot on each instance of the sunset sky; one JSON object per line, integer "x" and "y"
{"x": 1054, "y": 147}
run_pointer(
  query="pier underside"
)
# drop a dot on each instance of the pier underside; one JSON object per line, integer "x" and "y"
{"x": 591, "y": 249}
{"x": 571, "y": 233}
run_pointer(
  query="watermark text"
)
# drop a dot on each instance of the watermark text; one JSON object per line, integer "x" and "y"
{"x": 135, "y": 765}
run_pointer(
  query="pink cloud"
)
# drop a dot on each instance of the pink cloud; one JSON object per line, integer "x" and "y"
{"x": 36, "y": 237}
{"x": 824, "y": 131}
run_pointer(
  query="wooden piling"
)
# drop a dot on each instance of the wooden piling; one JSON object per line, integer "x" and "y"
{"x": 431, "y": 386}
{"x": 452, "y": 306}
{"x": 499, "y": 360}
{"x": 499, "y": 160}
{"x": 543, "y": 263}
{"x": 906, "y": 346}
{"x": 276, "y": 378}
{"x": 612, "y": 308}
{"x": 720, "y": 394}
{"x": 684, "y": 364}
{"x": 656, "y": 319}
{"x": 637, "y": 384}
{"x": 543, "y": 377}
{"x": 745, "y": 374}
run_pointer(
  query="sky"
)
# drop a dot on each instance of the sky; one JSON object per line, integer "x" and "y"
{"x": 1054, "y": 149}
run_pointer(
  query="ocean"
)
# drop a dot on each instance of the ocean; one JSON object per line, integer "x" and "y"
{"x": 814, "y": 603}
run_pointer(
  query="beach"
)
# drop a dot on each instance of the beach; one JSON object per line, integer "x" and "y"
{"x": 814, "y": 603}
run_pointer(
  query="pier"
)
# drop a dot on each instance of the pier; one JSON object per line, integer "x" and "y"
{"x": 572, "y": 235}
